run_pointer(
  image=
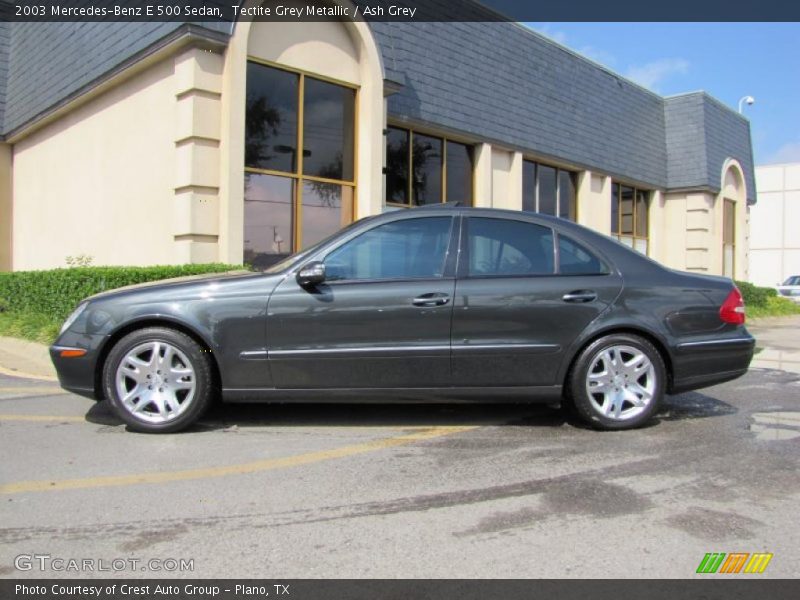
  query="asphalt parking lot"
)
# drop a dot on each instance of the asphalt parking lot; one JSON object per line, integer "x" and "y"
{"x": 403, "y": 491}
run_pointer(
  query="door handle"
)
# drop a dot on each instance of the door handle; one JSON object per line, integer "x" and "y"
{"x": 432, "y": 299}
{"x": 580, "y": 296}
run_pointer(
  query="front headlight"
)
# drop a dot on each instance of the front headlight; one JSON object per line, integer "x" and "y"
{"x": 71, "y": 319}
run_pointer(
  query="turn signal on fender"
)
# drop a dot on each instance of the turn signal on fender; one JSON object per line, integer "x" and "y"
{"x": 72, "y": 353}
{"x": 732, "y": 310}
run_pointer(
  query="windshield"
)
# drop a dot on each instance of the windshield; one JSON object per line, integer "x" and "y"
{"x": 794, "y": 280}
{"x": 298, "y": 257}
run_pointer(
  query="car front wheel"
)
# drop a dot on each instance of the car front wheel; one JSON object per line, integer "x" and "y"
{"x": 617, "y": 382}
{"x": 158, "y": 380}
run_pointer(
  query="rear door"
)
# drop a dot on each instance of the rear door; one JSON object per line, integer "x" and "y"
{"x": 522, "y": 296}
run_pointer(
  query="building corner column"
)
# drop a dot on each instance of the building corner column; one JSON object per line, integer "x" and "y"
{"x": 198, "y": 93}
{"x": 482, "y": 195}
{"x": 6, "y": 206}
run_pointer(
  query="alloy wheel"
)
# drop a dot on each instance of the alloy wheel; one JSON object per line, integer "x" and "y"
{"x": 621, "y": 382}
{"x": 155, "y": 382}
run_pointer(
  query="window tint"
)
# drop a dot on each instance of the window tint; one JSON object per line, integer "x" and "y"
{"x": 547, "y": 190}
{"x": 427, "y": 177}
{"x": 505, "y": 247}
{"x": 271, "y": 118}
{"x": 574, "y": 259}
{"x": 407, "y": 249}
{"x": 328, "y": 130}
{"x": 397, "y": 166}
{"x": 459, "y": 173}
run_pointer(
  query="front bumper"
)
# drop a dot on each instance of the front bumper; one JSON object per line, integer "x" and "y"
{"x": 77, "y": 374}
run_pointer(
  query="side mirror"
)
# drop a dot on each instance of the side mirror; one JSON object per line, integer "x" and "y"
{"x": 311, "y": 274}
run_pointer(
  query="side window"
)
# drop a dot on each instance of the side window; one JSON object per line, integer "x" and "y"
{"x": 505, "y": 247}
{"x": 407, "y": 249}
{"x": 574, "y": 259}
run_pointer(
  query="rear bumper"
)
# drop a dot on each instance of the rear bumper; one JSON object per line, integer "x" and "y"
{"x": 701, "y": 363}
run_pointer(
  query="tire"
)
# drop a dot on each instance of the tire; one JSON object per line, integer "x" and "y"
{"x": 617, "y": 382}
{"x": 158, "y": 380}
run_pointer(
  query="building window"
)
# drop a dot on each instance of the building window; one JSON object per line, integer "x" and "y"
{"x": 629, "y": 216}
{"x": 728, "y": 237}
{"x": 299, "y": 161}
{"x": 548, "y": 190}
{"x": 423, "y": 169}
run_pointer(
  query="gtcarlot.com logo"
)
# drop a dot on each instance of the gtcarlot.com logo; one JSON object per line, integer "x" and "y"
{"x": 735, "y": 562}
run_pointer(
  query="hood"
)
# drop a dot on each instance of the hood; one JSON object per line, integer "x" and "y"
{"x": 176, "y": 282}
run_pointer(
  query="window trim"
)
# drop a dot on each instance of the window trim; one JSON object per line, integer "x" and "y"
{"x": 618, "y": 235}
{"x": 410, "y": 130}
{"x": 297, "y": 175}
{"x": 573, "y": 175}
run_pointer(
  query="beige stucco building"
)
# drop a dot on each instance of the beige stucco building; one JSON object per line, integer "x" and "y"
{"x": 202, "y": 144}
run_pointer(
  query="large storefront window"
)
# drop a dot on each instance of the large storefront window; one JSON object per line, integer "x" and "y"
{"x": 299, "y": 161}
{"x": 629, "y": 216}
{"x": 423, "y": 169}
{"x": 548, "y": 190}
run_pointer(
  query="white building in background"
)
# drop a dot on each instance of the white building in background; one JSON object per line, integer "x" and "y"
{"x": 775, "y": 224}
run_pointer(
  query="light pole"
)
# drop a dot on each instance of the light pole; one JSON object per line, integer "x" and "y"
{"x": 748, "y": 99}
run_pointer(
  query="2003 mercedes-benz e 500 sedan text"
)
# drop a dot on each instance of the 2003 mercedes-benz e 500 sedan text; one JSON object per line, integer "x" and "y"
{"x": 437, "y": 303}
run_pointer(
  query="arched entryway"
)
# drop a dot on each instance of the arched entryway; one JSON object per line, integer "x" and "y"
{"x": 303, "y": 119}
{"x": 731, "y": 215}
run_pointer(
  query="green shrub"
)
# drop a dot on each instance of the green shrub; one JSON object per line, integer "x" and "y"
{"x": 55, "y": 293}
{"x": 776, "y": 306}
{"x": 755, "y": 295}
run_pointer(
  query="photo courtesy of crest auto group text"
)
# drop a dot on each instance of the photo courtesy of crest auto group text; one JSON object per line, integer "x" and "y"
{"x": 396, "y": 298}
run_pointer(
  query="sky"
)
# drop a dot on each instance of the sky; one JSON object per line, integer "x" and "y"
{"x": 727, "y": 60}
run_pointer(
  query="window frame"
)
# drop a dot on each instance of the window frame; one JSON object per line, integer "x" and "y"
{"x": 297, "y": 175}
{"x": 617, "y": 199}
{"x": 729, "y": 204}
{"x": 445, "y": 140}
{"x": 573, "y": 175}
{"x": 451, "y": 255}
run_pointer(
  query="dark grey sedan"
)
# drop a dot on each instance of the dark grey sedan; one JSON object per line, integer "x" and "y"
{"x": 439, "y": 303}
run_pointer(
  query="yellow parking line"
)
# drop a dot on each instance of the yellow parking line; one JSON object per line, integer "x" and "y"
{"x": 222, "y": 471}
{"x": 41, "y": 418}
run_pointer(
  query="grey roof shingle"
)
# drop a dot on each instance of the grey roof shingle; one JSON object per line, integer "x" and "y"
{"x": 498, "y": 82}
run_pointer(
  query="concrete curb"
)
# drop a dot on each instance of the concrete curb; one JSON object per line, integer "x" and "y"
{"x": 24, "y": 359}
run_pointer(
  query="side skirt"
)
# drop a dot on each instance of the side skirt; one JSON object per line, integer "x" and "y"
{"x": 397, "y": 395}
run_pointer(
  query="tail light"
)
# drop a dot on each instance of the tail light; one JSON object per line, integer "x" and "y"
{"x": 732, "y": 310}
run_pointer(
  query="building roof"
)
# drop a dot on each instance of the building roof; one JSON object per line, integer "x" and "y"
{"x": 498, "y": 82}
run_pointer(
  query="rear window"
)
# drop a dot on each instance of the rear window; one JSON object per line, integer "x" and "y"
{"x": 575, "y": 259}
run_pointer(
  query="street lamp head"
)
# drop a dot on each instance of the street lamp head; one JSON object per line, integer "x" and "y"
{"x": 749, "y": 100}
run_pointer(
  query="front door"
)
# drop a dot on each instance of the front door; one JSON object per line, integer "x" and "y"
{"x": 380, "y": 320}
{"x": 517, "y": 308}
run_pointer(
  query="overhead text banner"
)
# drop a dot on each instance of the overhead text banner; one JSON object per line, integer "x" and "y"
{"x": 231, "y": 11}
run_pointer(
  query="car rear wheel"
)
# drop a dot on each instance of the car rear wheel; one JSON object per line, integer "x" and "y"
{"x": 158, "y": 380}
{"x": 617, "y": 382}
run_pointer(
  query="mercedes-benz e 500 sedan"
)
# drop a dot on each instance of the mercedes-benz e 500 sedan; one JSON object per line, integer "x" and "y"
{"x": 439, "y": 303}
